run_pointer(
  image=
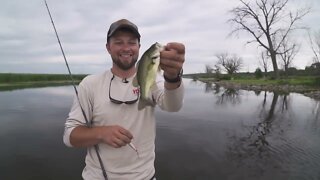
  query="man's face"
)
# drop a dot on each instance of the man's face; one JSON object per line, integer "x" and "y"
{"x": 124, "y": 47}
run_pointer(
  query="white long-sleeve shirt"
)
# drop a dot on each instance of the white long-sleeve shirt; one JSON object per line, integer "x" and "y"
{"x": 120, "y": 163}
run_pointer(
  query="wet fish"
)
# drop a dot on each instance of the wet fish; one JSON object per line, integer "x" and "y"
{"x": 147, "y": 69}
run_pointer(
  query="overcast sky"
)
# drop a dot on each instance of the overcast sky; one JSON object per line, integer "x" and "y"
{"x": 28, "y": 43}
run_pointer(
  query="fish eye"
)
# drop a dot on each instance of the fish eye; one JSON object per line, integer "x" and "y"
{"x": 154, "y": 57}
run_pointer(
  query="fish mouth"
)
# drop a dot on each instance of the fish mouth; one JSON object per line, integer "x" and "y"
{"x": 159, "y": 46}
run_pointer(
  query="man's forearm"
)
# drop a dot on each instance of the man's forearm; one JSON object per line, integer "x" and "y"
{"x": 83, "y": 136}
{"x": 171, "y": 86}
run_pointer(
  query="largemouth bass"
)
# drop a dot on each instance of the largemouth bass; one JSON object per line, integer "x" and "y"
{"x": 147, "y": 69}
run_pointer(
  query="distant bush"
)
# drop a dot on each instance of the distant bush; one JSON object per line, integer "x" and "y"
{"x": 225, "y": 77}
{"x": 258, "y": 73}
{"x": 314, "y": 69}
{"x": 317, "y": 81}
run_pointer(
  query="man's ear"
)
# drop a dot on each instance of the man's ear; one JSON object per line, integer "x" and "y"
{"x": 108, "y": 47}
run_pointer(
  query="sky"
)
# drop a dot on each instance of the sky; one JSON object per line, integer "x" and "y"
{"x": 28, "y": 43}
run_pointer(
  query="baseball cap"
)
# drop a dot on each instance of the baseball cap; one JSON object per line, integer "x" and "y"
{"x": 123, "y": 23}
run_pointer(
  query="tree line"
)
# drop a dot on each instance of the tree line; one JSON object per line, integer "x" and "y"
{"x": 271, "y": 24}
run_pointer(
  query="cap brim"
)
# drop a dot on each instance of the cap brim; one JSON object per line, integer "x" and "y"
{"x": 124, "y": 26}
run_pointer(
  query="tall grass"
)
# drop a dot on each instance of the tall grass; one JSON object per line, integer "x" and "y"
{"x": 17, "y": 77}
{"x": 312, "y": 81}
{"x": 250, "y": 79}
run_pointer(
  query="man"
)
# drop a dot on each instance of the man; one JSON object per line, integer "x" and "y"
{"x": 109, "y": 103}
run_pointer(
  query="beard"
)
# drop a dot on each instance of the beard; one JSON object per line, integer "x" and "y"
{"x": 124, "y": 66}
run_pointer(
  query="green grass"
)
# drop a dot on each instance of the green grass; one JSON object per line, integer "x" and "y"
{"x": 12, "y": 81}
{"x": 8, "y": 78}
{"x": 24, "y": 85}
{"x": 312, "y": 81}
{"x": 250, "y": 79}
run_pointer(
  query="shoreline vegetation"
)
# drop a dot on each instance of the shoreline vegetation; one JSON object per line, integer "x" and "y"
{"x": 306, "y": 85}
{"x": 13, "y": 81}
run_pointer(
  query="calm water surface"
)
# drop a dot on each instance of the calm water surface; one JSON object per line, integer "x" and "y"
{"x": 219, "y": 134}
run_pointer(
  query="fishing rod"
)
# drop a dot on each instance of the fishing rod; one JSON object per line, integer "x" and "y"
{"x": 96, "y": 147}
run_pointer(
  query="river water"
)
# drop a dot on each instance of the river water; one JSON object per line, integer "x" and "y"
{"x": 219, "y": 134}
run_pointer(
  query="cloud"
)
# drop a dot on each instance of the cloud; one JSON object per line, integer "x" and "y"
{"x": 28, "y": 42}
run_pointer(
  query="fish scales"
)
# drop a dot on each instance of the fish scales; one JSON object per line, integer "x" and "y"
{"x": 147, "y": 69}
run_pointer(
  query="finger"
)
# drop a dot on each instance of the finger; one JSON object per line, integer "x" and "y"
{"x": 119, "y": 142}
{"x": 115, "y": 145}
{"x": 179, "y": 47}
{"x": 125, "y": 139}
{"x": 125, "y": 133}
{"x": 170, "y": 64}
{"x": 172, "y": 55}
{"x": 171, "y": 71}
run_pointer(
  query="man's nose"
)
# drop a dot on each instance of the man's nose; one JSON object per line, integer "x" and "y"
{"x": 126, "y": 47}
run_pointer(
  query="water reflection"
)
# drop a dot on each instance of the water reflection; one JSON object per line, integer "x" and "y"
{"x": 224, "y": 95}
{"x": 316, "y": 113}
{"x": 218, "y": 134}
{"x": 257, "y": 136}
{"x": 270, "y": 143}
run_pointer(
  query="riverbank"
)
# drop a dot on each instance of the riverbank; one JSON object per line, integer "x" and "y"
{"x": 32, "y": 84}
{"x": 13, "y": 81}
{"x": 310, "y": 91}
{"x": 11, "y": 78}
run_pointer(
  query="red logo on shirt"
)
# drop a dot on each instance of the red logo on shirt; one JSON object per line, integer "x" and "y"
{"x": 136, "y": 91}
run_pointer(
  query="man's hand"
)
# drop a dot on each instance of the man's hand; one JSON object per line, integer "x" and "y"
{"x": 172, "y": 59}
{"x": 115, "y": 136}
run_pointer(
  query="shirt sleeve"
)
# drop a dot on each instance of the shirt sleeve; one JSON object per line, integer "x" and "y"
{"x": 76, "y": 115}
{"x": 168, "y": 100}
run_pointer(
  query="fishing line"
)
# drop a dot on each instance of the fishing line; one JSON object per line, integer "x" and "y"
{"x": 96, "y": 147}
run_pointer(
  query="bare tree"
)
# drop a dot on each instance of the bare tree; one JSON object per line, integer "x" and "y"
{"x": 265, "y": 20}
{"x": 315, "y": 46}
{"x": 231, "y": 63}
{"x": 264, "y": 61}
{"x": 217, "y": 69}
{"x": 288, "y": 51}
{"x": 208, "y": 69}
